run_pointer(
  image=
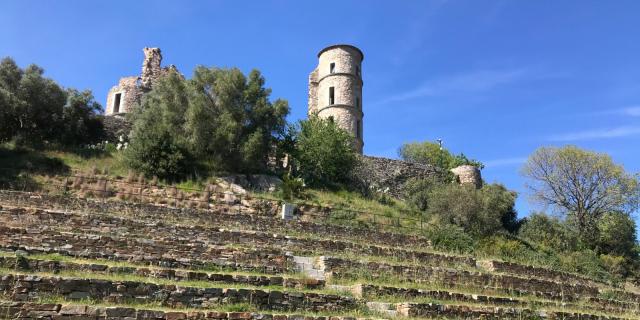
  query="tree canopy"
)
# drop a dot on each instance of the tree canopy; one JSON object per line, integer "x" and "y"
{"x": 433, "y": 154}
{"x": 583, "y": 185}
{"x": 35, "y": 110}
{"x": 220, "y": 117}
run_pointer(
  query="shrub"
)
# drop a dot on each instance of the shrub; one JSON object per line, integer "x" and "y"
{"x": 416, "y": 192}
{"x": 480, "y": 212}
{"x": 157, "y": 153}
{"x": 549, "y": 232}
{"x": 448, "y": 237}
{"x": 433, "y": 154}
{"x": 617, "y": 235}
{"x": 324, "y": 153}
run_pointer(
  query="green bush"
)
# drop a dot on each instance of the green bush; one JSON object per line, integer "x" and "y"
{"x": 433, "y": 154}
{"x": 448, "y": 237}
{"x": 36, "y": 111}
{"x": 479, "y": 212}
{"x": 416, "y": 192}
{"x": 549, "y": 232}
{"x": 617, "y": 235}
{"x": 219, "y": 119}
{"x": 324, "y": 153}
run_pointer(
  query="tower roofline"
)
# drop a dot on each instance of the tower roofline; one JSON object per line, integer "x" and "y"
{"x": 341, "y": 45}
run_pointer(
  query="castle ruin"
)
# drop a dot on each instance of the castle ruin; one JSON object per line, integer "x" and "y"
{"x": 123, "y": 97}
{"x": 335, "y": 89}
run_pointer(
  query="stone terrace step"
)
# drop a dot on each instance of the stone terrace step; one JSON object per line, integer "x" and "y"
{"x": 231, "y": 220}
{"x": 27, "y": 287}
{"x": 269, "y": 225}
{"x": 158, "y": 253}
{"x": 595, "y": 304}
{"x": 123, "y": 226}
{"x": 434, "y": 310}
{"x": 343, "y": 268}
{"x": 531, "y": 271}
{"x": 29, "y": 310}
{"x": 26, "y": 263}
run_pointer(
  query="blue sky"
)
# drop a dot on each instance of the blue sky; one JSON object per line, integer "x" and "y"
{"x": 493, "y": 79}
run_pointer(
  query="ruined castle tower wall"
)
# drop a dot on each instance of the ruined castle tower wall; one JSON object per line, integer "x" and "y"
{"x": 123, "y": 97}
{"x": 151, "y": 69}
{"x": 129, "y": 91}
{"x": 335, "y": 89}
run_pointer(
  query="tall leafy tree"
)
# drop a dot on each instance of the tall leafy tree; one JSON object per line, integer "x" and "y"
{"x": 82, "y": 125}
{"x": 582, "y": 184}
{"x": 33, "y": 112}
{"x": 219, "y": 116}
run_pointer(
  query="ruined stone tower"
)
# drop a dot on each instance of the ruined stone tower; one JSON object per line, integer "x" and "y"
{"x": 335, "y": 89}
{"x": 123, "y": 97}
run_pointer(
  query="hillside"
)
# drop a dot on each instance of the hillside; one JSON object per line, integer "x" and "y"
{"x": 105, "y": 247}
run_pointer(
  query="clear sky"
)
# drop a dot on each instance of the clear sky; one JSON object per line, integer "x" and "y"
{"x": 493, "y": 79}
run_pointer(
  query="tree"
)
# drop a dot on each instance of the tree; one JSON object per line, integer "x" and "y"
{"x": 617, "y": 235}
{"x": 431, "y": 153}
{"x": 583, "y": 185}
{"x": 35, "y": 110}
{"x": 80, "y": 116}
{"x": 219, "y": 118}
{"x": 324, "y": 153}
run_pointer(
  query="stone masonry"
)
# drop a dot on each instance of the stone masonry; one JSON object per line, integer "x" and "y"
{"x": 123, "y": 97}
{"x": 335, "y": 89}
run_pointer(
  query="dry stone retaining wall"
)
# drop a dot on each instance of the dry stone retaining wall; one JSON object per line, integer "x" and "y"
{"x": 233, "y": 218}
{"x": 390, "y": 176}
{"x": 27, "y": 287}
{"x": 344, "y": 268}
{"x": 28, "y": 310}
{"x": 211, "y": 235}
{"x": 26, "y": 263}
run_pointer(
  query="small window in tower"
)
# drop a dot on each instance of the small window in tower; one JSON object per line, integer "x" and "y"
{"x": 331, "y": 96}
{"x": 116, "y": 103}
{"x": 358, "y": 129}
{"x": 332, "y": 68}
{"x": 357, "y": 102}
{"x": 358, "y": 71}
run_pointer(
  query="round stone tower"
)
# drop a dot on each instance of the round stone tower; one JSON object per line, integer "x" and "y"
{"x": 335, "y": 89}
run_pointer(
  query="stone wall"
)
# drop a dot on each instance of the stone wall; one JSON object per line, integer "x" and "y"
{"x": 131, "y": 89}
{"x": 27, "y": 287}
{"x": 116, "y": 126}
{"x": 26, "y": 263}
{"x": 28, "y": 310}
{"x": 390, "y": 176}
{"x": 346, "y": 80}
{"x": 338, "y": 267}
{"x": 260, "y": 219}
{"x": 468, "y": 174}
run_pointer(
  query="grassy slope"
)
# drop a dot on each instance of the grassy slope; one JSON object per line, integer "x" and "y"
{"x": 40, "y": 165}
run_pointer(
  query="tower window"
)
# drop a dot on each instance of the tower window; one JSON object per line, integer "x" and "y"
{"x": 332, "y": 68}
{"x": 116, "y": 103}
{"x": 358, "y": 129}
{"x": 358, "y": 102}
{"x": 331, "y": 96}
{"x": 358, "y": 71}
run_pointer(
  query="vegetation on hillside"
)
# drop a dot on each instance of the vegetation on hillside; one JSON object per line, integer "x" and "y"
{"x": 432, "y": 153}
{"x": 35, "y": 111}
{"x": 222, "y": 121}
